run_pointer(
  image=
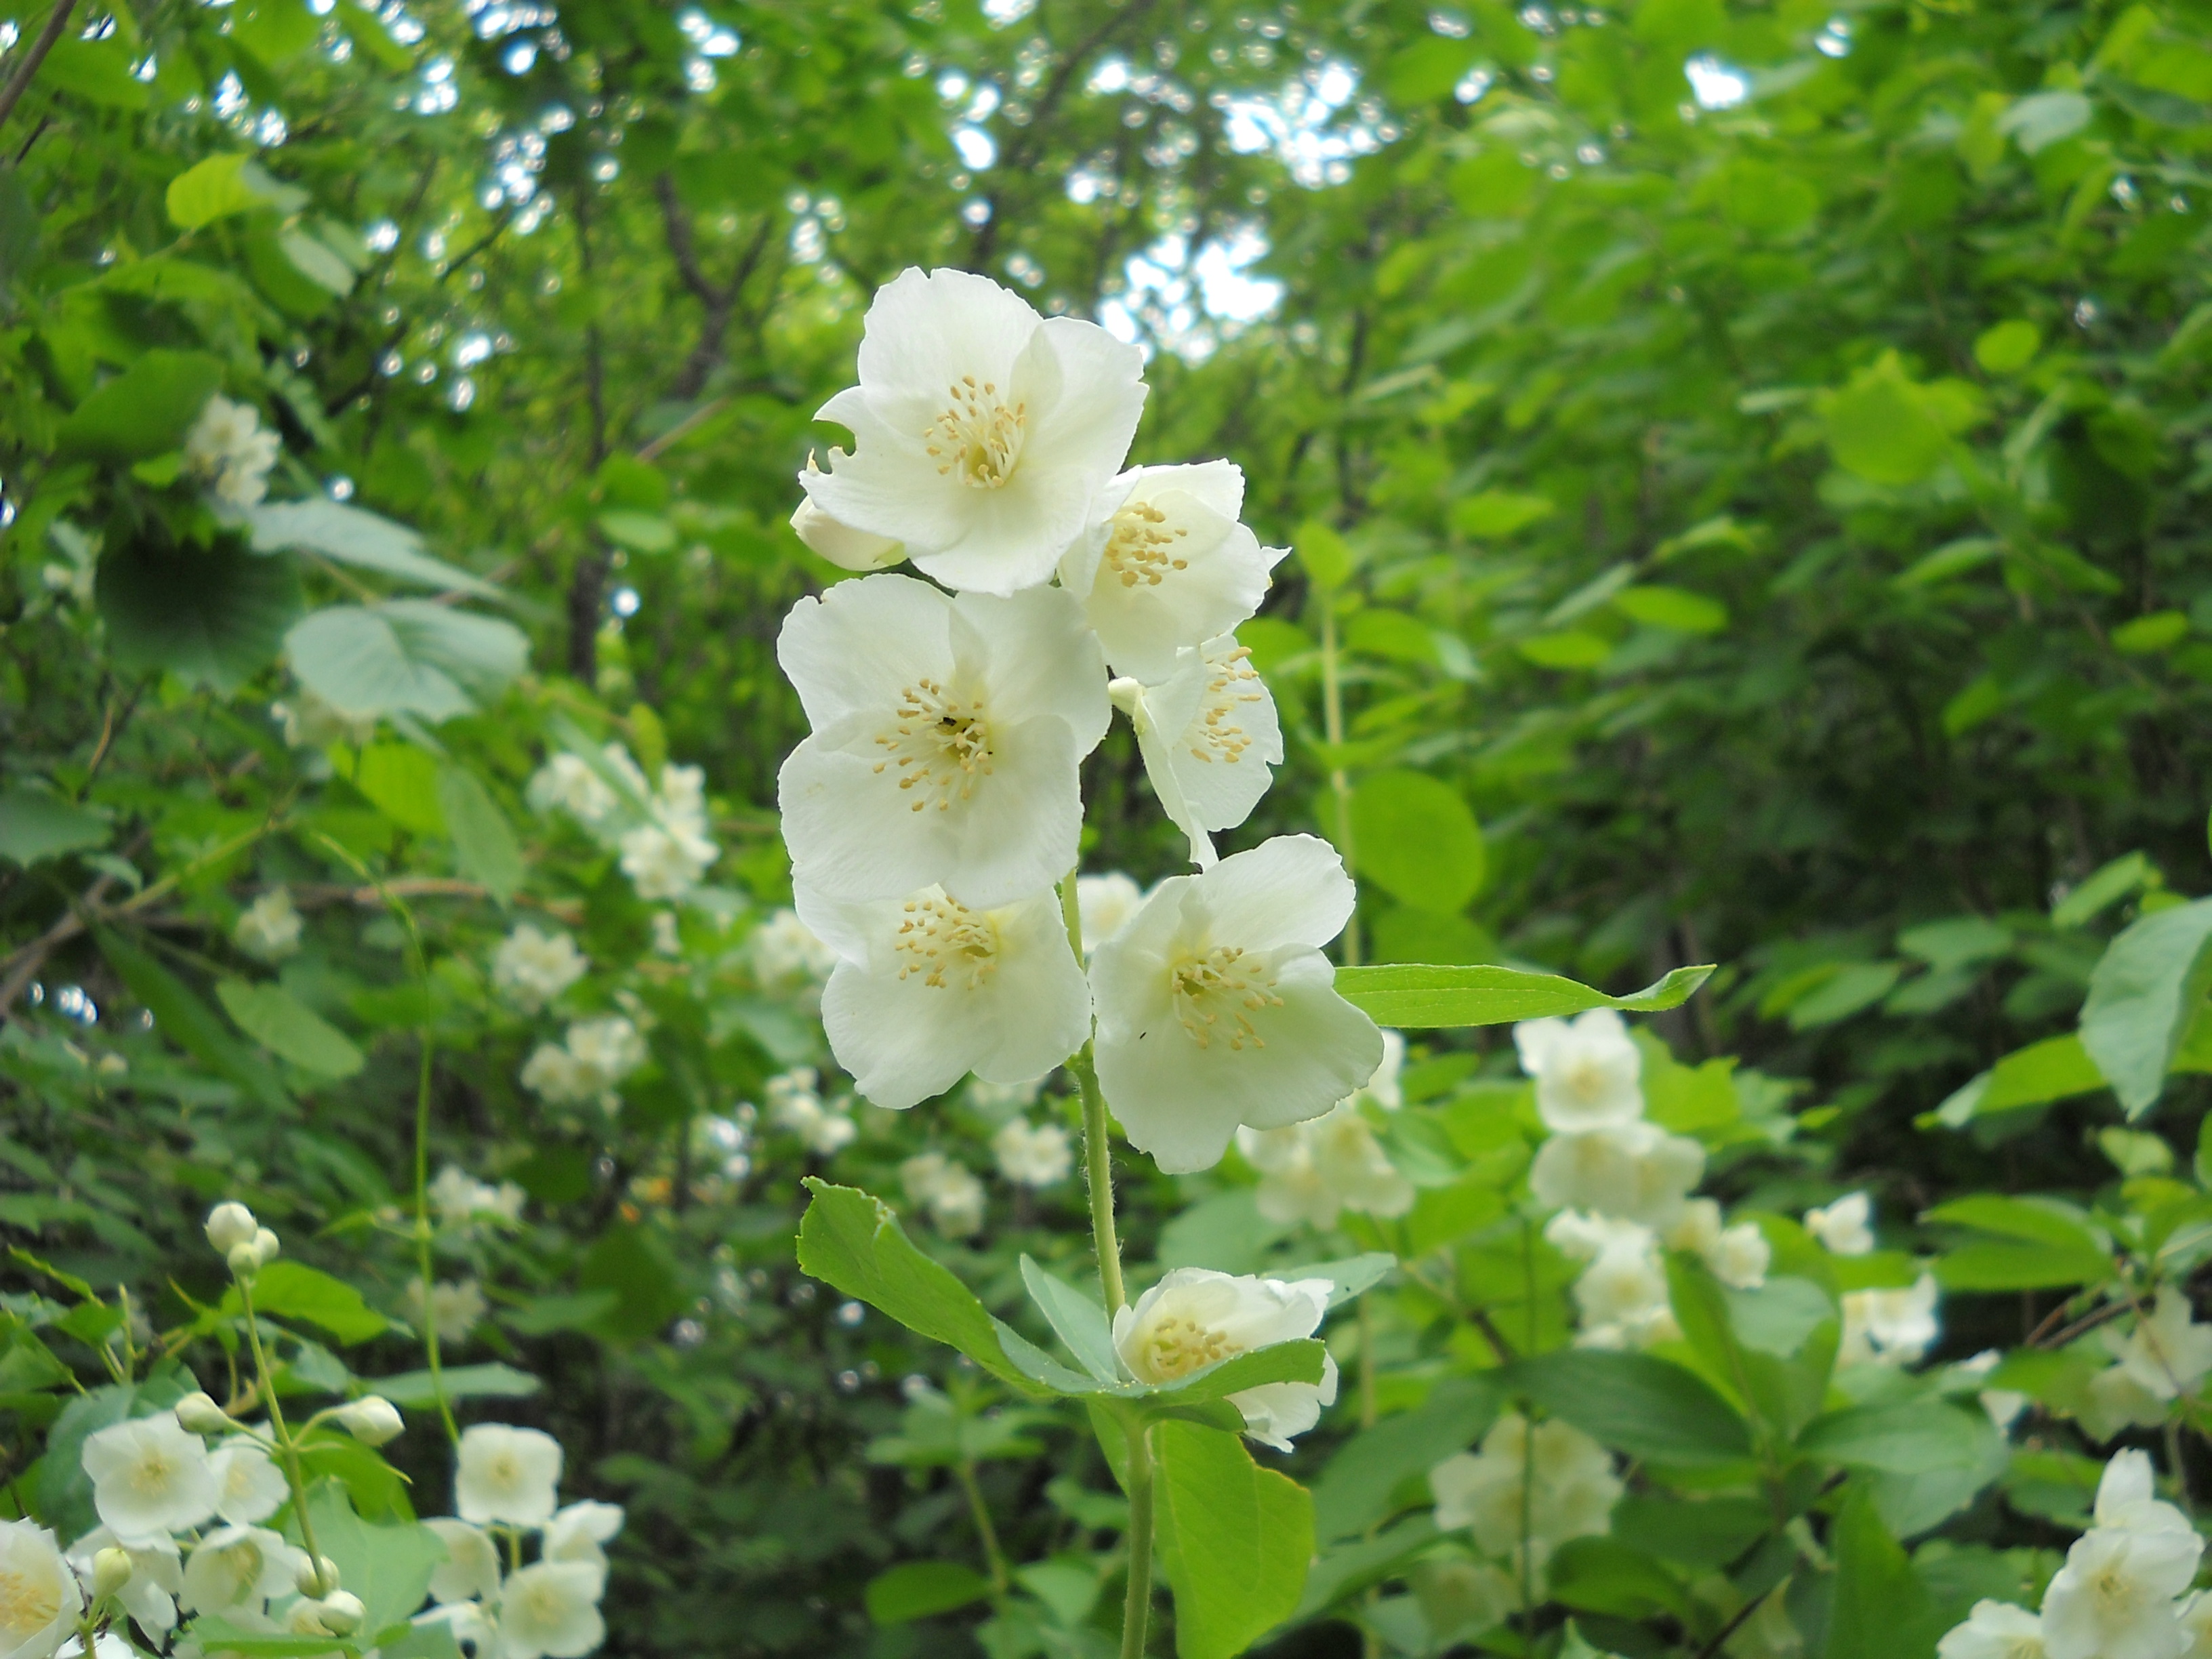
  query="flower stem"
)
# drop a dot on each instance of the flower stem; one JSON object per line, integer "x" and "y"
{"x": 1137, "y": 1607}
{"x": 1098, "y": 1164}
{"x": 287, "y": 1448}
{"x": 1339, "y": 783}
{"x": 994, "y": 1557}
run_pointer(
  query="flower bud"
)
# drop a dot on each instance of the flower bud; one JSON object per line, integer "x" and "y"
{"x": 341, "y": 1613}
{"x": 265, "y": 1245}
{"x": 110, "y": 1572}
{"x": 228, "y": 1226}
{"x": 245, "y": 1261}
{"x": 317, "y": 1577}
{"x": 372, "y": 1420}
{"x": 199, "y": 1414}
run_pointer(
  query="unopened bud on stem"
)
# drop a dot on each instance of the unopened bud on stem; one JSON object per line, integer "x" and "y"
{"x": 228, "y": 1226}
{"x": 110, "y": 1572}
{"x": 341, "y": 1613}
{"x": 317, "y": 1577}
{"x": 199, "y": 1414}
{"x": 372, "y": 1420}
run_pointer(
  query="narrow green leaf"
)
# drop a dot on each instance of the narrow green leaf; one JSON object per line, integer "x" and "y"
{"x": 1360, "y": 1486}
{"x": 1904, "y": 1437}
{"x": 1881, "y": 1609}
{"x": 355, "y": 537}
{"x": 191, "y": 1023}
{"x": 146, "y": 410}
{"x": 1235, "y": 1540}
{"x": 483, "y": 841}
{"x": 34, "y": 826}
{"x": 291, "y": 1289}
{"x": 1078, "y": 1320}
{"x": 1347, "y": 1278}
{"x": 916, "y": 1589}
{"x": 412, "y": 1390}
{"x": 1425, "y": 995}
{"x": 2142, "y": 995}
{"x": 287, "y": 1027}
{"x": 1634, "y": 1402}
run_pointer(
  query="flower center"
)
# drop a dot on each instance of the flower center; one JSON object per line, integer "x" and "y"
{"x": 1175, "y": 1347}
{"x": 978, "y": 438}
{"x": 28, "y": 1603}
{"x": 153, "y": 1472}
{"x": 506, "y": 1470}
{"x": 1584, "y": 1081}
{"x": 942, "y": 935}
{"x": 941, "y": 742}
{"x": 2117, "y": 1593}
{"x": 1140, "y": 548}
{"x": 1222, "y": 982}
{"x": 1218, "y": 733}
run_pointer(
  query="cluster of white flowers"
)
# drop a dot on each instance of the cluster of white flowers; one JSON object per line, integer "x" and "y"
{"x": 1195, "y": 1317}
{"x": 1310, "y": 1172}
{"x": 948, "y": 1189}
{"x": 936, "y": 803}
{"x": 584, "y": 1067}
{"x": 1623, "y": 1183}
{"x": 507, "y": 1488}
{"x": 457, "y": 1308}
{"x": 232, "y": 453}
{"x": 1894, "y": 1325}
{"x": 1529, "y": 1488}
{"x": 660, "y": 835}
{"x": 1033, "y": 1154}
{"x": 785, "y": 951}
{"x": 2163, "y": 1359}
{"x": 796, "y": 1106}
{"x": 2123, "y": 1593}
{"x": 268, "y": 928}
{"x": 530, "y": 969}
{"x": 461, "y": 1201}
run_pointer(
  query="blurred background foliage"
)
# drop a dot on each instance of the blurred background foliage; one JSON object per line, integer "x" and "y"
{"x": 1746, "y": 465}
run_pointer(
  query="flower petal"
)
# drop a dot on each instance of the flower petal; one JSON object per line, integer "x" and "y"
{"x": 860, "y": 645}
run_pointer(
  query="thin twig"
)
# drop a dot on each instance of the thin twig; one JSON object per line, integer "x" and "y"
{"x": 20, "y": 82}
{"x": 1735, "y": 1624}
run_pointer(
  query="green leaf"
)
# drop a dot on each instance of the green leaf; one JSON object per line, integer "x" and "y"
{"x": 1674, "y": 608}
{"x": 2056, "y": 1068}
{"x": 2016, "y": 1217}
{"x": 274, "y": 30}
{"x": 145, "y": 410}
{"x": 213, "y": 617}
{"x": 1850, "y": 990}
{"x": 2020, "y": 1268}
{"x": 218, "y": 187}
{"x": 1905, "y": 1437}
{"x": 389, "y": 1567}
{"x": 352, "y": 536}
{"x": 2142, "y": 995}
{"x": 412, "y": 1390}
{"x": 1572, "y": 648}
{"x": 1325, "y": 554}
{"x": 1234, "y": 1540}
{"x": 291, "y": 1289}
{"x": 402, "y": 780}
{"x": 484, "y": 839}
{"x": 2042, "y": 118}
{"x": 1498, "y": 513}
{"x": 1417, "y": 840}
{"x": 371, "y": 36}
{"x": 2007, "y": 347}
{"x": 1423, "y": 996}
{"x": 1635, "y": 1403}
{"x": 916, "y": 1589}
{"x": 1299, "y": 1361}
{"x": 1881, "y": 1610}
{"x": 191, "y": 1023}
{"x": 315, "y": 260}
{"x": 2101, "y": 890}
{"x": 1879, "y": 426}
{"x": 1356, "y": 1491}
{"x": 98, "y": 71}
{"x": 287, "y": 1027}
{"x": 1078, "y": 1320}
{"x": 404, "y": 656}
{"x": 34, "y": 826}
{"x": 1347, "y": 1278}
{"x": 641, "y": 532}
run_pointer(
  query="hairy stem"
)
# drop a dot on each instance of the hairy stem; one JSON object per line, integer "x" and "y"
{"x": 1137, "y": 1607}
{"x": 287, "y": 1447}
{"x": 1097, "y": 1153}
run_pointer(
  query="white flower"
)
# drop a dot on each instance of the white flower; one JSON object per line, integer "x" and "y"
{"x": 783, "y": 948}
{"x": 1552, "y": 1480}
{"x": 228, "y": 448}
{"x": 1842, "y": 1225}
{"x": 1738, "y": 1255}
{"x": 471, "y": 1569}
{"x": 2168, "y": 1353}
{"x": 1635, "y": 1171}
{"x": 1195, "y": 1317}
{"x": 2196, "y": 1614}
{"x": 2116, "y": 1401}
{"x": 1216, "y": 1007}
{"x": 42, "y": 1601}
{"x": 1033, "y": 1155}
{"x": 372, "y": 1420}
{"x": 667, "y": 933}
{"x": 598, "y": 1054}
{"x": 150, "y": 1479}
{"x": 1105, "y": 902}
{"x": 1166, "y": 564}
{"x": 946, "y": 736}
{"x": 929, "y": 990}
{"x": 949, "y": 1190}
{"x": 149, "y": 1595}
{"x": 1995, "y": 1630}
{"x": 268, "y": 928}
{"x": 569, "y": 783}
{"x": 663, "y": 862}
{"x": 2114, "y": 1598}
{"x": 249, "y": 1487}
{"x": 792, "y": 1104}
{"x": 456, "y": 1307}
{"x": 579, "y": 1530}
{"x": 1209, "y": 735}
{"x": 506, "y": 1474}
{"x": 1309, "y": 1172}
{"x": 309, "y": 722}
{"x": 238, "y": 1566}
{"x": 1383, "y": 1089}
{"x": 1587, "y": 1070}
{"x": 550, "y": 1610}
{"x": 843, "y": 545}
{"x": 1895, "y": 1327}
{"x": 459, "y": 1199}
{"x": 1622, "y": 1294}
{"x": 530, "y": 969}
{"x": 983, "y": 431}
{"x": 1584, "y": 1236}
{"x": 994, "y": 1098}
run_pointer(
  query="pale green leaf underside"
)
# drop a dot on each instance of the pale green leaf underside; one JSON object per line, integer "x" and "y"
{"x": 1415, "y": 996}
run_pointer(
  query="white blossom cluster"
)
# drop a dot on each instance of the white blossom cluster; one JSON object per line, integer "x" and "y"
{"x": 462, "y": 1201}
{"x": 2123, "y": 1593}
{"x": 1310, "y": 1172}
{"x": 1622, "y": 1183}
{"x": 660, "y": 834}
{"x": 587, "y": 1065}
{"x": 785, "y": 951}
{"x": 796, "y": 1105}
{"x": 2162, "y": 1360}
{"x": 231, "y": 452}
{"x": 1528, "y": 1489}
{"x": 1894, "y": 1325}
{"x": 1033, "y": 1154}
{"x": 531, "y": 969}
{"x": 948, "y": 1189}
{"x": 268, "y": 928}
{"x": 935, "y": 803}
